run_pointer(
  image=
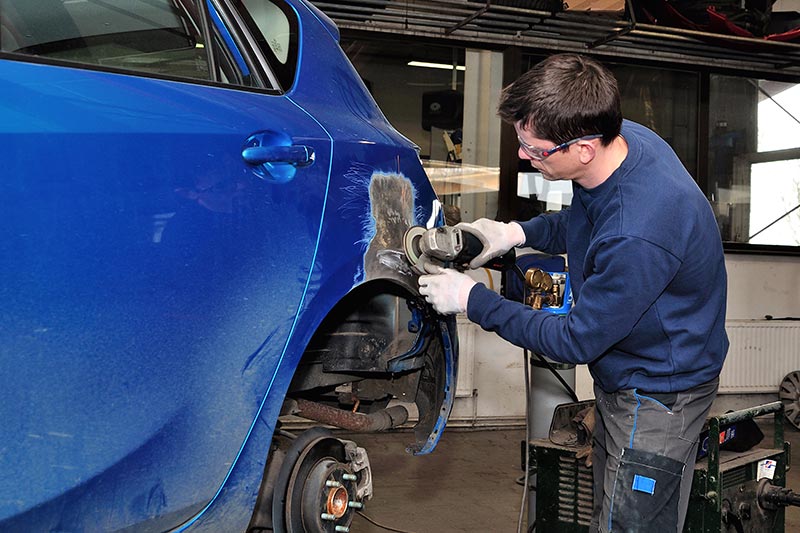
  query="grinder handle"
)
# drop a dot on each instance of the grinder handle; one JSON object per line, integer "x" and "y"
{"x": 472, "y": 248}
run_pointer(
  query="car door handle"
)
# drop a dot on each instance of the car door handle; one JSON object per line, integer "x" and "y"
{"x": 297, "y": 155}
{"x": 273, "y": 157}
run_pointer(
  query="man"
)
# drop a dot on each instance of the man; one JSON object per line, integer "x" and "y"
{"x": 648, "y": 280}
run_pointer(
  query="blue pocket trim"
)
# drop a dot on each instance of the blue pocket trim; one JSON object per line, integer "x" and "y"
{"x": 638, "y": 398}
{"x": 644, "y": 484}
{"x": 651, "y": 399}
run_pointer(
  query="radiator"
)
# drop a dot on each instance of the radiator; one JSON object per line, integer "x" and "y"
{"x": 762, "y": 352}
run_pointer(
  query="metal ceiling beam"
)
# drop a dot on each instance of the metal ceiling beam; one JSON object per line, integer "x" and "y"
{"x": 485, "y": 23}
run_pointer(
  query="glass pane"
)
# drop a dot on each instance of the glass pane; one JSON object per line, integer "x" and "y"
{"x": 420, "y": 89}
{"x": 778, "y": 115}
{"x": 774, "y": 202}
{"x": 417, "y": 90}
{"x": 274, "y": 26}
{"x": 666, "y": 102}
{"x": 663, "y": 100}
{"x": 754, "y": 160}
{"x": 151, "y": 36}
{"x": 467, "y": 192}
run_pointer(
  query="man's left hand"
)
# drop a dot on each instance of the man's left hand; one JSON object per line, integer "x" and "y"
{"x": 446, "y": 289}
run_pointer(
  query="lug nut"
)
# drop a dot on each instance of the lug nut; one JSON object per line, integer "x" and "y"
{"x": 355, "y": 505}
{"x": 333, "y": 484}
{"x": 343, "y": 529}
{"x": 349, "y": 477}
{"x": 327, "y": 516}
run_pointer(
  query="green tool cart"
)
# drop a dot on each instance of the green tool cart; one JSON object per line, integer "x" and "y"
{"x": 727, "y": 492}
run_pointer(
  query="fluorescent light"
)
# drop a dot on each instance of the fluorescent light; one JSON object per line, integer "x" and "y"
{"x": 443, "y": 66}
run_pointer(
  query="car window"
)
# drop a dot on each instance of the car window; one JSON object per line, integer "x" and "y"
{"x": 162, "y": 37}
{"x": 274, "y": 25}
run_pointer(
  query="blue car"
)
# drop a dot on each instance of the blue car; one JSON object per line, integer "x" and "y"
{"x": 203, "y": 213}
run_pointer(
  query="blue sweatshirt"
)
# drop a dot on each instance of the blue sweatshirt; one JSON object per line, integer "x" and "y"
{"x": 647, "y": 272}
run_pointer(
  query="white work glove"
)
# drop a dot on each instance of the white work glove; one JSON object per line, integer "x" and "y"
{"x": 446, "y": 289}
{"x": 497, "y": 238}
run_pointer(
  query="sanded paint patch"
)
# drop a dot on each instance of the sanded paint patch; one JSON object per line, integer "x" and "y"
{"x": 385, "y": 203}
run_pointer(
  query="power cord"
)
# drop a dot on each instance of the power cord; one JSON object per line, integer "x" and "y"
{"x": 526, "y": 476}
{"x": 375, "y": 523}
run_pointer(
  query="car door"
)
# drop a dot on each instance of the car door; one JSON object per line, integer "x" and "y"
{"x": 162, "y": 202}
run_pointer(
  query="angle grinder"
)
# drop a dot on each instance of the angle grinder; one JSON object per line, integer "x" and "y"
{"x": 448, "y": 246}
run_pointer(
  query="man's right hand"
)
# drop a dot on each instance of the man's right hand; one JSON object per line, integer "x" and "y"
{"x": 497, "y": 238}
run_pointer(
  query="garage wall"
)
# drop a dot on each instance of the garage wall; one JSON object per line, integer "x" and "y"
{"x": 760, "y": 285}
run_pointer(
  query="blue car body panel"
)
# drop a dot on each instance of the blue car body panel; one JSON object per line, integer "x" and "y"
{"x": 159, "y": 290}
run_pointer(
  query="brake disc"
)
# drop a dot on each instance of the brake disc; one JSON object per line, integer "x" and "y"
{"x": 322, "y": 493}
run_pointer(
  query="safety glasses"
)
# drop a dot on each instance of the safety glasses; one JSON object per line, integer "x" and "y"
{"x": 540, "y": 155}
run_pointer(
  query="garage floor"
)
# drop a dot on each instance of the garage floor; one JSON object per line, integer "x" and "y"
{"x": 468, "y": 484}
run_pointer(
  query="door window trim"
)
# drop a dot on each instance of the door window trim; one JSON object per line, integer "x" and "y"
{"x": 214, "y": 39}
{"x": 281, "y": 75}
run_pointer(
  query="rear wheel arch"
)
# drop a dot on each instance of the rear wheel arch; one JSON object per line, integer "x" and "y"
{"x": 380, "y": 343}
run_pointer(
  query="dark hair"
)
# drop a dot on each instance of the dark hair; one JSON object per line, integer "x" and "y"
{"x": 564, "y": 97}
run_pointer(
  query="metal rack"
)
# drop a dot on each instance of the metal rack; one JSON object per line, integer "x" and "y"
{"x": 612, "y": 35}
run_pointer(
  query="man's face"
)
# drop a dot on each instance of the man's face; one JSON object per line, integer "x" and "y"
{"x": 555, "y": 166}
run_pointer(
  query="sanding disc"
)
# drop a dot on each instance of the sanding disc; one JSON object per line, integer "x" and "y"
{"x": 411, "y": 244}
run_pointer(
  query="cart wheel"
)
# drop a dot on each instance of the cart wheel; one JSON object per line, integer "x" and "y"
{"x": 789, "y": 393}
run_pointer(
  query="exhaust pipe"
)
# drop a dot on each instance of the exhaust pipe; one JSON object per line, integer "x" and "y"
{"x": 384, "y": 419}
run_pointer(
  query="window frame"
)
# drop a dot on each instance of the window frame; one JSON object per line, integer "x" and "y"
{"x": 281, "y": 75}
{"x": 215, "y": 43}
{"x": 743, "y": 160}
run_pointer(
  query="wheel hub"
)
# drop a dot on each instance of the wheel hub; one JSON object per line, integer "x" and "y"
{"x": 328, "y": 482}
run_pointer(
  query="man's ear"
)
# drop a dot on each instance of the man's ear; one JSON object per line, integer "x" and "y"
{"x": 586, "y": 151}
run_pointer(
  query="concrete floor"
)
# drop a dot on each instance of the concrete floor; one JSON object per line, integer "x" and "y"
{"x": 468, "y": 484}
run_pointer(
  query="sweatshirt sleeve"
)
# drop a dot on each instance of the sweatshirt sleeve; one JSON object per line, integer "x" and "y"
{"x": 626, "y": 278}
{"x": 547, "y": 233}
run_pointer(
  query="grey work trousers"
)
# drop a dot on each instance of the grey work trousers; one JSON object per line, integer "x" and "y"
{"x": 645, "y": 446}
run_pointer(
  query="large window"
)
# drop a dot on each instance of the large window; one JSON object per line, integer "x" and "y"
{"x": 154, "y": 37}
{"x": 755, "y": 160}
{"x": 420, "y": 88}
{"x": 747, "y": 162}
{"x": 664, "y": 100}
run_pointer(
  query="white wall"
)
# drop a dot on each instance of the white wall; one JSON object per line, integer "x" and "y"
{"x": 760, "y": 285}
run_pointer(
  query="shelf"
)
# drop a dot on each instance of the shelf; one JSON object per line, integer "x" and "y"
{"x": 608, "y": 35}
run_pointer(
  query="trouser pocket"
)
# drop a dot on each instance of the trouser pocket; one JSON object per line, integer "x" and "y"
{"x": 646, "y": 493}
